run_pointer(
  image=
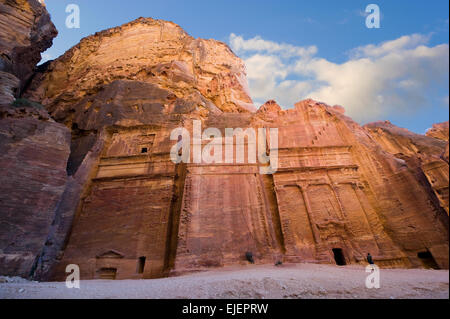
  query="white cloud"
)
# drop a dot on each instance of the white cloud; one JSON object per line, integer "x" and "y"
{"x": 257, "y": 44}
{"x": 376, "y": 80}
{"x": 397, "y": 45}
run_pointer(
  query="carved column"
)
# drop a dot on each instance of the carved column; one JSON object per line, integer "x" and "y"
{"x": 315, "y": 230}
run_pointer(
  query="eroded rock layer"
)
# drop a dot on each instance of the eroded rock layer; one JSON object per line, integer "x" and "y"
{"x": 439, "y": 131}
{"x": 26, "y": 31}
{"x": 425, "y": 155}
{"x": 34, "y": 149}
{"x": 33, "y": 157}
{"x": 150, "y": 51}
{"x": 127, "y": 210}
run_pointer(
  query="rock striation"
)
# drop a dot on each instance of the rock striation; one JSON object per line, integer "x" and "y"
{"x": 34, "y": 149}
{"x": 149, "y": 51}
{"x": 439, "y": 131}
{"x": 26, "y": 32}
{"x": 423, "y": 154}
{"x": 124, "y": 209}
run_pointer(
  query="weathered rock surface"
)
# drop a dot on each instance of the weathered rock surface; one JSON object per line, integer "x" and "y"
{"x": 26, "y": 31}
{"x": 34, "y": 149}
{"x": 127, "y": 211}
{"x": 439, "y": 131}
{"x": 33, "y": 157}
{"x": 425, "y": 155}
{"x": 150, "y": 51}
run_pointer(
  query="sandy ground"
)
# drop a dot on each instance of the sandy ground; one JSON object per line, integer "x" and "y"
{"x": 286, "y": 281}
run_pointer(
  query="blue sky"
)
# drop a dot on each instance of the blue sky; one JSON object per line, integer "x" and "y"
{"x": 398, "y": 72}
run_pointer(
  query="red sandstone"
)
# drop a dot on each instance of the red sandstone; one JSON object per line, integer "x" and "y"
{"x": 110, "y": 200}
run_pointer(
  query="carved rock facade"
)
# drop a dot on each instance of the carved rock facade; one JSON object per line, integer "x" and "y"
{"x": 125, "y": 210}
{"x": 336, "y": 196}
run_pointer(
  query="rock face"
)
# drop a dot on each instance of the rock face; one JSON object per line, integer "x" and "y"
{"x": 34, "y": 149}
{"x": 439, "y": 131}
{"x": 128, "y": 211}
{"x": 148, "y": 51}
{"x": 33, "y": 157}
{"x": 425, "y": 155}
{"x": 26, "y": 32}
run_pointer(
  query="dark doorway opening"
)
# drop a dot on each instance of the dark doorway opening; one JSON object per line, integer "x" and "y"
{"x": 249, "y": 257}
{"x": 427, "y": 260}
{"x": 141, "y": 265}
{"x": 339, "y": 257}
{"x": 108, "y": 273}
{"x": 144, "y": 150}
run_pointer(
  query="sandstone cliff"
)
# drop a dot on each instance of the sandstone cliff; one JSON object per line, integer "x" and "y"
{"x": 425, "y": 155}
{"x": 33, "y": 157}
{"x": 155, "y": 52}
{"x": 127, "y": 211}
{"x": 26, "y": 31}
{"x": 441, "y": 131}
{"x": 34, "y": 149}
